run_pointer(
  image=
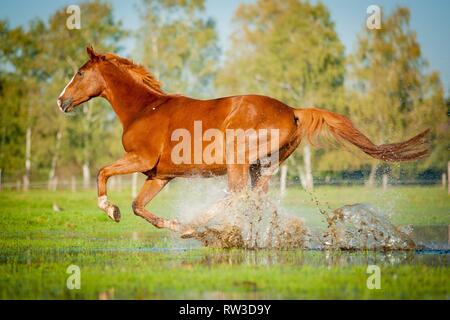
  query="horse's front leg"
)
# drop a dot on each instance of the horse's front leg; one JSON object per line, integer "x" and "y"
{"x": 130, "y": 163}
{"x": 150, "y": 189}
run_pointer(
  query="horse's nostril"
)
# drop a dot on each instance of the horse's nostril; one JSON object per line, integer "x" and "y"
{"x": 64, "y": 104}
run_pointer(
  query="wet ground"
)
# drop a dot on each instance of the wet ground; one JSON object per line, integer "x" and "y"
{"x": 433, "y": 249}
{"x": 132, "y": 260}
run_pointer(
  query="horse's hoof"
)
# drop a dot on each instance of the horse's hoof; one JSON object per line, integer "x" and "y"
{"x": 188, "y": 234}
{"x": 114, "y": 213}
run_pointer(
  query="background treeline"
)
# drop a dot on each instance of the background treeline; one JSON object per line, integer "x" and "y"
{"x": 285, "y": 49}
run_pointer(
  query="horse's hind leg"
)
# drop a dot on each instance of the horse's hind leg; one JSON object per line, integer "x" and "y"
{"x": 237, "y": 177}
{"x": 150, "y": 189}
{"x": 256, "y": 175}
{"x": 129, "y": 164}
{"x": 261, "y": 175}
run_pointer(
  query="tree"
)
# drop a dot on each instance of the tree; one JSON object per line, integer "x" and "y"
{"x": 36, "y": 62}
{"x": 20, "y": 51}
{"x": 288, "y": 50}
{"x": 179, "y": 45}
{"x": 88, "y": 132}
{"x": 392, "y": 94}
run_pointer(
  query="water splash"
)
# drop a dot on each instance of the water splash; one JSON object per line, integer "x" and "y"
{"x": 247, "y": 220}
{"x": 362, "y": 227}
{"x": 251, "y": 220}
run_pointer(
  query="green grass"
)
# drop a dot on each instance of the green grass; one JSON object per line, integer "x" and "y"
{"x": 133, "y": 260}
{"x": 406, "y": 205}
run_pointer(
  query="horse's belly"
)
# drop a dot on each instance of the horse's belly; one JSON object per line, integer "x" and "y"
{"x": 166, "y": 170}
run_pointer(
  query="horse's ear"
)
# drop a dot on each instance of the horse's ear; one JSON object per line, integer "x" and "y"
{"x": 91, "y": 53}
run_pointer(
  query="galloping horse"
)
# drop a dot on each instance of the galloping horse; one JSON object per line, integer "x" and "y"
{"x": 149, "y": 117}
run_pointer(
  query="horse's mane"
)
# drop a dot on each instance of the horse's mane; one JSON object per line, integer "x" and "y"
{"x": 138, "y": 72}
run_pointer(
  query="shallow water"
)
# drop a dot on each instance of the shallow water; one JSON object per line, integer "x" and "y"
{"x": 251, "y": 220}
{"x": 433, "y": 249}
{"x": 432, "y": 238}
{"x": 197, "y": 255}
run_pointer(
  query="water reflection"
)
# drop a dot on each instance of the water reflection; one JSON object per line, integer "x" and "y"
{"x": 432, "y": 237}
{"x": 433, "y": 250}
{"x": 316, "y": 258}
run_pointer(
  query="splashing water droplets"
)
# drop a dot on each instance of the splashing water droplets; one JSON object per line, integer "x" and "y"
{"x": 247, "y": 220}
{"x": 251, "y": 220}
{"x": 362, "y": 227}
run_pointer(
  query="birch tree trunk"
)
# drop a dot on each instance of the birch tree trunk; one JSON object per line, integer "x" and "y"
{"x": 283, "y": 179}
{"x": 86, "y": 175}
{"x": 305, "y": 170}
{"x": 134, "y": 181}
{"x": 52, "y": 182}
{"x": 2, "y": 143}
{"x": 372, "y": 175}
{"x": 26, "y": 177}
{"x": 448, "y": 177}
{"x": 308, "y": 166}
{"x": 87, "y": 145}
{"x": 385, "y": 181}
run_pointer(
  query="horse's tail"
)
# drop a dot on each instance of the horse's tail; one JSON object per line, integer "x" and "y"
{"x": 312, "y": 121}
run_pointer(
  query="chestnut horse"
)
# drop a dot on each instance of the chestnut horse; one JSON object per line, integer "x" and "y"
{"x": 149, "y": 117}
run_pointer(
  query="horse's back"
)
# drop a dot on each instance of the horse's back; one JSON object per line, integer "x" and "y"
{"x": 243, "y": 111}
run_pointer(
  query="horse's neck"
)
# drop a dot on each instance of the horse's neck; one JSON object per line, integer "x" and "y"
{"x": 127, "y": 97}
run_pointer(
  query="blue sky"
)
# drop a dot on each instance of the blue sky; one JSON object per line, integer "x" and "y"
{"x": 428, "y": 18}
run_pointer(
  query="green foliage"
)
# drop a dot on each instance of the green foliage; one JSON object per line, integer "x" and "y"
{"x": 393, "y": 96}
{"x": 37, "y": 62}
{"x": 285, "y": 49}
{"x": 179, "y": 45}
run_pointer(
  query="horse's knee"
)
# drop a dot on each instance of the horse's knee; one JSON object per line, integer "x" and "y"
{"x": 137, "y": 208}
{"x": 101, "y": 175}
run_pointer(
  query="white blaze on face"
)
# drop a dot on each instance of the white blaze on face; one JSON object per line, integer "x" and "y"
{"x": 64, "y": 91}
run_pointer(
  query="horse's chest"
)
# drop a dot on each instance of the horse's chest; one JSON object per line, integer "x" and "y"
{"x": 141, "y": 138}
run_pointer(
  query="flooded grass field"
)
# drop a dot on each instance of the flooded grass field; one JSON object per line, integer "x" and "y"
{"x": 133, "y": 260}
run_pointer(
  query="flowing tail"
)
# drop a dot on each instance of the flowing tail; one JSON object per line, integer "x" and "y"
{"x": 312, "y": 121}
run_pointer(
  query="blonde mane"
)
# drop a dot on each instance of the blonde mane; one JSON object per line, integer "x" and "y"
{"x": 138, "y": 72}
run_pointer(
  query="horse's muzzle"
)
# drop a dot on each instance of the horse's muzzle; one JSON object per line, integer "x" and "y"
{"x": 65, "y": 104}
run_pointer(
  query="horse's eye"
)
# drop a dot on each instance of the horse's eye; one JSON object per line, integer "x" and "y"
{"x": 80, "y": 73}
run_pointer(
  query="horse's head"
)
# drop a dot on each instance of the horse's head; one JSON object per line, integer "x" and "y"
{"x": 86, "y": 84}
